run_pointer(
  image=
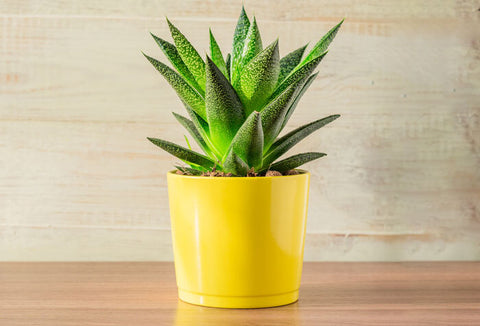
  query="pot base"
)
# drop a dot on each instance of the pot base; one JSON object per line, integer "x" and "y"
{"x": 238, "y": 302}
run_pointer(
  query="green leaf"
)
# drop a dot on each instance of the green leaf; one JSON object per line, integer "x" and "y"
{"x": 186, "y": 93}
{"x": 224, "y": 110}
{"x": 274, "y": 113}
{"x": 252, "y": 45}
{"x": 248, "y": 142}
{"x": 239, "y": 36}
{"x": 298, "y": 74}
{"x": 183, "y": 153}
{"x": 259, "y": 78}
{"x": 188, "y": 143}
{"x": 235, "y": 165}
{"x": 283, "y": 144}
{"x": 228, "y": 61}
{"x": 189, "y": 55}
{"x": 190, "y": 127}
{"x": 295, "y": 161}
{"x": 289, "y": 62}
{"x": 217, "y": 56}
{"x": 188, "y": 170}
{"x": 323, "y": 44}
{"x": 199, "y": 122}
{"x": 204, "y": 130}
{"x": 172, "y": 55}
{"x": 298, "y": 96}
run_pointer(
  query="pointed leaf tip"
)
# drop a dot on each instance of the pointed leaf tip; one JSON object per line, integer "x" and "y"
{"x": 189, "y": 55}
{"x": 241, "y": 30}
{"x": 173, "y": 56}
{"x": 322, "y": 45}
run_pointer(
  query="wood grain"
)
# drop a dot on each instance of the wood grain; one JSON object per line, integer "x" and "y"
{"x": 331, "y": 293}
{"x": 78, "y": 180}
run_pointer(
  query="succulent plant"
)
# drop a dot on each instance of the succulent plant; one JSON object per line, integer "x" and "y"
{"x": 239, "y": 105}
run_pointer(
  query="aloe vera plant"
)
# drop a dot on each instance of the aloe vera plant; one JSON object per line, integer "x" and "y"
{"x": 239, "y": 104}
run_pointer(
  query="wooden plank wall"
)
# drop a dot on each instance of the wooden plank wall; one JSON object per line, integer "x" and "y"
{"x": 78, "y": 180}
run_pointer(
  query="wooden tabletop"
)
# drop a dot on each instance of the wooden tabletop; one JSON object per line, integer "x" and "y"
{"x": 143, "y": 294}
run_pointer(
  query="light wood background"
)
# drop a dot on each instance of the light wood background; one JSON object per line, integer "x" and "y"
{"x": 79, "y": 181}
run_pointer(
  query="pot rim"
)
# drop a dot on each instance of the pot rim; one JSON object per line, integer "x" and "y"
{"x": 301, "y": 173}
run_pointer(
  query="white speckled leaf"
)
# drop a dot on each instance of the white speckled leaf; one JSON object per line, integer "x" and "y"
{"x": 224, "y": 110}
{"x": 241, "y": 31}
{"x": 172, "y": 55}
{"x": 274, "y": 113}
{"x": 323, "y": 44}
{"x": 289, "y": 62}
{"x": 251, "y": 47}
{"x": 186, "y": 93}
{"x": 189, "y": 55}
{"x": 259, "y": 78}
{"x": 248, "y": 142}
{"x": 298, "y": 74}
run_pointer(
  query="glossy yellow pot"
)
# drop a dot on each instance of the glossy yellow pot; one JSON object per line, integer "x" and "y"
{"x": 238, "y": 242}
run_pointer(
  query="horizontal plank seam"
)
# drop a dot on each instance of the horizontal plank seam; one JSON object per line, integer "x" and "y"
{"x": 331, "y": 232}
{"x": 206, "y": 19}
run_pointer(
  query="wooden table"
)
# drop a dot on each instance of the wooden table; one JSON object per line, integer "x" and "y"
{"x": 142, "y": 294}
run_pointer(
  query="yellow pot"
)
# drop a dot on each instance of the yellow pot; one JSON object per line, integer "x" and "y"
{"x": 238, "y": 242}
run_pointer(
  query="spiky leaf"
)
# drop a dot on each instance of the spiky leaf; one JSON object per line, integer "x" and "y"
{"x": 234, "y": 164}
{"x": 224, "y": 109}
{"x": 189, "y": 55}
{"x": 259, "y": 78}
{"x": 172, "y": 55}
{"x": 283, "y": 144}
{"x": 241, "y": 31}
{"x": 228, "y": 61}
{"x": 188, "y": 170}
{"x": 298, "y": 74}
{"x": 297, "y": 98}
{"x": 216, "y": 55}
{"x": 186, "y": 93}
{"x": 204, "y": 130}
{"x": 323, "y": 44}
{"x": 248, "y": 142}
{"x": 295, "y": 161}
{"x": 274, "y": 113}
{"x": 190, "y": 127}
{"x": 252, "y": 45}
{"x": 289, "y": 62}
{"x": 183, "y": 153}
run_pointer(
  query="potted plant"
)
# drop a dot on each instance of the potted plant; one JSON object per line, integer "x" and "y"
{"x": 238, "y": 214}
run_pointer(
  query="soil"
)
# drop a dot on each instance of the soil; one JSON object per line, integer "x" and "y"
{"x": 250, "y": 173}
